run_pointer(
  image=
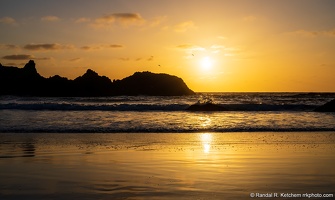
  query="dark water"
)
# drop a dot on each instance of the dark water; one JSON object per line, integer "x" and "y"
{"x": 249, "y": 112}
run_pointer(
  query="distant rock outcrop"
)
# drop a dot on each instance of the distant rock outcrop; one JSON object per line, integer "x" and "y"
{"x": 328, "y": 107}
{"x": 91, "y": 84}
{"x": 16, "y": 81}
{"x": 27, "y": 81}
{"x": 147, "y": 83}
{"x": 30, "y": 69}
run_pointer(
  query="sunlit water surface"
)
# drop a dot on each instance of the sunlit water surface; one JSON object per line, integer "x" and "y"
{"x": 165, "y": 165}
{"x": 159, "y": 121}
{"x": 247, "y": 112}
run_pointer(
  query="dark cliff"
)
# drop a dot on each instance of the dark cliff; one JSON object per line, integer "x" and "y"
{"x": 28, "y": 82}
{"x": 25, "y": 81}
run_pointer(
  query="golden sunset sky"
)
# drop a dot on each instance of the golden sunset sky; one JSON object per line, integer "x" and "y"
{"x": 214, "y": 45}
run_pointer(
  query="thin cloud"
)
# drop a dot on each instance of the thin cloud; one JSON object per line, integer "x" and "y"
{"x": 157, "y": 21}
{"x": 305, "y": 33}
{"x": 124, "y": 59}
{"x": 150, "y": 58}
{"x": 24, "y": 57}
{"x": 190, "y": 47}
{"x": 8, "y": 46}
{"x": 100, "y": 47}
{"x": 74, "y": 59}
{"x": 86, "y": 48}
{"x": 184, "y": 26}
{"x": 126, "y": 16}
{"x": 222, "y": 37}
{"x": 43, "y": 58}
{"x": 228, "y": 51}
{"x": 123, "y": 19}
{"x": 83, "y": 20}
{"x": 217, "y": 48}
{"x": 8, "y": 20}
{"x": 185, "y": 46}
{"x": 18, "y": 57}
{"x": 312, "y": 34}
{"x": 330, "y": 33}
{"x": 50, "y": 18}
{"x": 46, "y": 47}
{"x": 37, "y": 47}
{"x": 115, "y": 46}
{"x": 10, "y": 64}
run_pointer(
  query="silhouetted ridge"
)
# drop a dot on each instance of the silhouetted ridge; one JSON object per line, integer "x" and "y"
{"x": 27, "y": 81}
{"x": 147, "y": 83}
{"x": 58, "y": 86}
{"x": 91, "y": 84}
{"x": 30, "y": 68}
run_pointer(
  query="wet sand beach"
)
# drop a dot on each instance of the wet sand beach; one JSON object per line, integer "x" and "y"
{"x": 166, "y": 165}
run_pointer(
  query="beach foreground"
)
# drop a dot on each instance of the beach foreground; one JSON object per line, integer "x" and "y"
{"x": 167, "y": 165}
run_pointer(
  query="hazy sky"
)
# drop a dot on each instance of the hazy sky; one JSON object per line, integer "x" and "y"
{"x": 214, "y": 45}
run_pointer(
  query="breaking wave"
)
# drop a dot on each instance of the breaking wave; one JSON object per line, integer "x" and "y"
{"x": 150, "y": 107}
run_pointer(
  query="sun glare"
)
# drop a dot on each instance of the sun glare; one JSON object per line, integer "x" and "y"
{"x": 206, "y": 63}
{"x": 206, "y": 139}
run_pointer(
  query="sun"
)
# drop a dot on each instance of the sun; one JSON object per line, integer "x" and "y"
{"x": 206, "y": 63}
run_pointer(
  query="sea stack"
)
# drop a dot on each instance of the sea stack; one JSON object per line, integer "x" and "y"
{"x": 328, "y": 107}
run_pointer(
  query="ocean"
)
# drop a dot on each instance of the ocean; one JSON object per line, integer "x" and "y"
{"x": 247, "y": 112}
{"x": 269, "y": 145}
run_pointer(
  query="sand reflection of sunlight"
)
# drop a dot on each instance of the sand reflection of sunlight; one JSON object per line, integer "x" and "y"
{"x": 206, "y": 139}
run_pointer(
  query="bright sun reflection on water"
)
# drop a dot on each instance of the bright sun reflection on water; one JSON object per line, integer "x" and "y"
{"x": 206, "y": 139}
{"x": 205, "y": 121}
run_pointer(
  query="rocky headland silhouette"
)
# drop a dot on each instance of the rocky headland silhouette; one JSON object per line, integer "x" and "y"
{"x": 27, "y": 81}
